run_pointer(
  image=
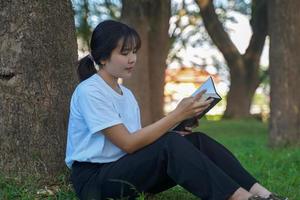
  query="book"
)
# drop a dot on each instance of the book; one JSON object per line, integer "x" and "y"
{"x": 211, "y": 92}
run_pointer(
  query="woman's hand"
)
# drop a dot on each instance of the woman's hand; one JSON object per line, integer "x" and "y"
{"x": 188, "y": 130}
{"x": 191, "y": 106}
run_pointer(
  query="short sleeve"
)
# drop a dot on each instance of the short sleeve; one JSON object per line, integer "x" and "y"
{"x": 97, "y": 109}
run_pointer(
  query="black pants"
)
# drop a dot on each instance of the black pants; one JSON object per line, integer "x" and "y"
{"x": 196, "y": 162}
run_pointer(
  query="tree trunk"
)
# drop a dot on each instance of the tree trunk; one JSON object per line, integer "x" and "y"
{"x": 240, "y": 95}
{"x": 244, "y": 76}
{"x": 284, "y": 72}
{"x": 151, "y": 20}
{"x": 38, "y": 52}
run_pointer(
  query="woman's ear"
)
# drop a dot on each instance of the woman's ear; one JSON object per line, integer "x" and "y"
{"x": 102, "y": 62}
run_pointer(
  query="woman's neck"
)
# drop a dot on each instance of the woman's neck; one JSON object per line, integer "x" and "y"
{"x": 110, "y": 80}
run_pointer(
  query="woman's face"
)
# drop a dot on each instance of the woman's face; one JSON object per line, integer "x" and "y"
{"x": 121, "y": 64}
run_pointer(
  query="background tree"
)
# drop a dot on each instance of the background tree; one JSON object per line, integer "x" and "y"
{"x": 38, "y": 52}
{"x": 151, "y": 20}
{"x": 83, "y": 29}
{"x": 244, "y": 68}
{"x": 284, "y": 72}
{"x": 89, "y": 13}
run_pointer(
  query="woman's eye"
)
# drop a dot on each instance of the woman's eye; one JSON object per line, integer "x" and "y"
{"x": 125, "y": 53}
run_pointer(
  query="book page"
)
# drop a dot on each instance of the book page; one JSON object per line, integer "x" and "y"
{"x": 208, "y": 85}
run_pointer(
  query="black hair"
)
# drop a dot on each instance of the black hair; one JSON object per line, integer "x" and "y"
{"x": 104, "y": 40}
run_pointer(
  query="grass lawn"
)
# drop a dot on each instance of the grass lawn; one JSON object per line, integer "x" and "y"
{"x": 277, "y": 169}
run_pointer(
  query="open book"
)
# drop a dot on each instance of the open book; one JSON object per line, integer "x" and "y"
{"x": 211, "y": 92}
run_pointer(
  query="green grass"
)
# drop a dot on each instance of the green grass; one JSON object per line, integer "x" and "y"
{"x": 277, "y": 169}
{"x": 15, "y": 189}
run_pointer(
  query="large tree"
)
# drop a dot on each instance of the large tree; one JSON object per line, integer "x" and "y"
{"x": 151, "y": 20}
{"x": 38, "y": 53}
{"x": 244, "y": 68}
{"x": 284, "y": 72}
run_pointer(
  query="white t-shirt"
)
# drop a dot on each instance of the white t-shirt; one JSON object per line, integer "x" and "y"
{"x": 94, "y": 107}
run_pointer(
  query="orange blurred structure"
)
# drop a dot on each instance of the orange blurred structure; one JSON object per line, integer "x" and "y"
{"x": 188, "y": 75}
{"x": 182, "y": 82}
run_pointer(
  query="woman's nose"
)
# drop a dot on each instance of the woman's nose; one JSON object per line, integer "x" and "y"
{"x": 132, "y": 58}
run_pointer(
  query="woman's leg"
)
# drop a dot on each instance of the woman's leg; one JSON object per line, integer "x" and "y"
{"x": 223, "y": 158}
{"x": 169, "y": 161}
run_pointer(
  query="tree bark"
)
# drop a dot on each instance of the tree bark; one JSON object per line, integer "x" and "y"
{"x": 284, "y": 72}
{"x": 244, "y": 77}
{"x": 151, "y": 20}
{"x": 38, "y": 52}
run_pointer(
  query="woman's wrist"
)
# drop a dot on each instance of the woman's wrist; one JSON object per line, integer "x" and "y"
{"x": 175, "y": 116}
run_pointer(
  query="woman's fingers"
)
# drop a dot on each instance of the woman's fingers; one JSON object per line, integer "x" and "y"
{"x": 201, "y": 104}
{"x": 196, "y": 124}
{"x": 183, "y": 133}
{"x": 199, "y": 110}
{"x": 187, "y": 128}
{"x": 193, "y": 106}
{"x": 198, "y": 96}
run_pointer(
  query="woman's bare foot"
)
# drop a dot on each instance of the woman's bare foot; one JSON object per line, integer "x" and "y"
{"x": 258, "y": 189}
{"x": 240, "y": 194}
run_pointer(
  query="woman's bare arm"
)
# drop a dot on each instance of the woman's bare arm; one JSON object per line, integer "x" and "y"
{"x": 120, "y": 136}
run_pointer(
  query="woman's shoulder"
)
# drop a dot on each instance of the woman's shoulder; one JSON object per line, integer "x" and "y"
{"x": 90, "y": 86}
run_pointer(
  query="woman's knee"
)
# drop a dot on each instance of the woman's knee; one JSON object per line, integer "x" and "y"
{"x": 177, "y": 144}
{"x": 199, "y": 139}
{"x": 202, "y": 136}
{"x": 195, "y": 137}
{"x": 173, "y": 139}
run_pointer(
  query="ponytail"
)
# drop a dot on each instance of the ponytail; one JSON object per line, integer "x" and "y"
{"x": 86, "y": 68}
